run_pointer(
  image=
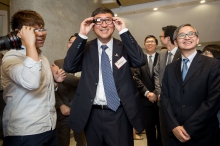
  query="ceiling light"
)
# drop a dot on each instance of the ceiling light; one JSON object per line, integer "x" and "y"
{"x": 155, "y": 9}
{"x": 116, "y": 15}
{"x": 199, "y": 45}
{"x": 203, "y": 1}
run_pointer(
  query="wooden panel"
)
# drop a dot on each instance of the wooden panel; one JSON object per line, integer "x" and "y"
{"x": 134, "y": 2}
{"x": 111, "y": 5}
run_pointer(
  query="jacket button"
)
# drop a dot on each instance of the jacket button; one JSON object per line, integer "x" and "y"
{"x": 91, "y": 100}
{"x": 183, "y": 106}
{"x": 96, "y": 84}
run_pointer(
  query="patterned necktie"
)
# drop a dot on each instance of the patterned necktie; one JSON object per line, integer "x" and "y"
{"x": 150, "y": 64}
{"x": 185, "y": 68}
{"x": 111, "y": 94}
{"x": 169, "y": 58}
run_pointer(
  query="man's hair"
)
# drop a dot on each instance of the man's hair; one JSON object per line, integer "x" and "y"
{"x": 26, "y": 17}
{"x": 181, "y": 26}
{"x": 214, "y": 49}
{"x": 151, "y": 36}
{"x": 168, "y": 32}
{"x": 74, "y": 35}
{"x": 101, "y": 10}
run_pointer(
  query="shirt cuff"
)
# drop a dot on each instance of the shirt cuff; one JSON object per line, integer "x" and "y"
{"x": 30, "y": 63}
{"x": 145, "y": 94}
{"x": 83, "y": 36}
{"x": 123, "y": 31}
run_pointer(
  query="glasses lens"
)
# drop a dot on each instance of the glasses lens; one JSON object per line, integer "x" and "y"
{"x": 150, "y": 42}
{"x": 182, "y": 35}
{"x": 98, "y": 21}
{"x": 108, "y": 21}
{"x": 40, "y": 30}
{"x": 191, "y": 34}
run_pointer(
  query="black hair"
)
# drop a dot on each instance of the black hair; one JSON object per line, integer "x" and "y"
{"x": 214, "y": 49}
{"x": 101, "y": 10}
{"x": 169, "y": 31}
{"x": 74, "y": 35}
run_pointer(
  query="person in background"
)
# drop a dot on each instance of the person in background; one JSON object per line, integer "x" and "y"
{"x": 144, "y": 77}
{"x": 166, "y": 56}
{"x": 190, "y": 93}
{"x": 213, "y": 51}
{"x": 64, "y": 97}
{"x": 29, "y": 116}
{"x": 106, "y": 103}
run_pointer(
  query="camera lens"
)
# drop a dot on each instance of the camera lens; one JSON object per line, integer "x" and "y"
{"x": 10, "y": 41}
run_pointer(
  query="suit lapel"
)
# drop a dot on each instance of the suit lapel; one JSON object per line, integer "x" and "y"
{"x": 177, "y": 71}
{"x": 177, "y": 55}
{"x": 116, "y": 55}
{"x": 95, "y": 57}
{"x": 195, "y": 65}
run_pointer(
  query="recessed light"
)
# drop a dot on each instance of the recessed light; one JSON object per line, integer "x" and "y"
{"x": 203, "y": 1}
{"x": 199, "y": 45}
{"x": 116, "y": 15}
{"x": 155, "y": 9}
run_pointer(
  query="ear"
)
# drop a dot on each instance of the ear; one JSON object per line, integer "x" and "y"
{"x": 18, "y": 34}
{"x": 197, "y": 41}
{"x": 175, "y": 42}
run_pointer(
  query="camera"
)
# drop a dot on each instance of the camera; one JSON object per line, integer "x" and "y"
{"x": 10, "y": 41}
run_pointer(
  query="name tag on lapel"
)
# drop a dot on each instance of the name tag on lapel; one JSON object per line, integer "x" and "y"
{"x": 120, "y": 62}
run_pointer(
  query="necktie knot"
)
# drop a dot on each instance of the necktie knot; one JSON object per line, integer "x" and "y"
{"x": 185, "y": 60}
{"x": 104, "y": 47}
{"x": 169, "y": 60}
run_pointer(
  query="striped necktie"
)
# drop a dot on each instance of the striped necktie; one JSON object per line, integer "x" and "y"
{"x": 111, "y": 94}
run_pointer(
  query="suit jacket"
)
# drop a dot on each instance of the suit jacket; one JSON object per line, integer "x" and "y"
{"x": 83, "y": 57}
{"x": 66, "y": 90}
{"x": 160, "y": 67}
{"x": 145, "y": 81}
{"x": 194, "y": 102}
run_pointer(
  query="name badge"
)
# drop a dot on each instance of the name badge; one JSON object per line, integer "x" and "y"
{"x": 120, "y": 62}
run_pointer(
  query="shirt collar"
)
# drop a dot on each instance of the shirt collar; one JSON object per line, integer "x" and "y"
{"x": 153, "y": 55}
{"x": 190, "y": 57}
{"x": 109, "y": 44}
{"x": 174, "y": 51}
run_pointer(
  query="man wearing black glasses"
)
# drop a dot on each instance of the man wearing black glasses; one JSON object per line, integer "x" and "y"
{"x": 190, "y": 93}
{"x": 106, "y": 103}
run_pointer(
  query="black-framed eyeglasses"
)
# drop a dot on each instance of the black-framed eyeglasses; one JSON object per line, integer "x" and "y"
{"x": 40, "y": 30}
{"x": 190, "y": 34}
{"x": 150, "y": 42}
{"x": 99, "y": 21}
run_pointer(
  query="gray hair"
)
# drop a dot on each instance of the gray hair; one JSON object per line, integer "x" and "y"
{"x": 175, "y": 34}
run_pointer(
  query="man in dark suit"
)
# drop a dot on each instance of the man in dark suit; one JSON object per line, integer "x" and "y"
{"x": 166, "y": 56}
{"x": 144, "y": 77}
{"x": 64, "y": 96}
{"x": 107, "y": 115}
{"x": 190, "y": 93}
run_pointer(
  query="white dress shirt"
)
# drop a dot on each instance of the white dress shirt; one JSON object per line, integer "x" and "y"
{"x": 148, "y": 57}
{"x": 29, "y": 95}
{"x": 100, "y": 97}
